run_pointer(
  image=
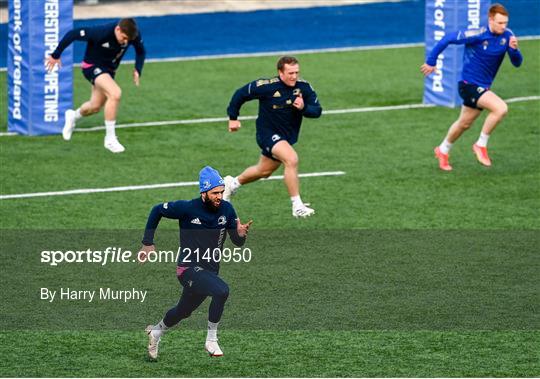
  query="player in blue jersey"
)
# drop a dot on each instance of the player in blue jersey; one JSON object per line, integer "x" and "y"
{"x": 283, "y": 102}
{"x": 106, "y": 45}
{"x": 485, "y": 49}
{"x": 204, "y": 222}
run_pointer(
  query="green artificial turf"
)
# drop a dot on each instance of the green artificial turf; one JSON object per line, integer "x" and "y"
{"x": 404, "y": 270}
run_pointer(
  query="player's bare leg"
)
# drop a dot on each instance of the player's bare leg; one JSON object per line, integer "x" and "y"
{"x": 106, "y": 84}
{"x": 497, "y": 111}
{"x": 466, "y": 118}
{"x": 288, "y": 156}
{"x": 263, "y": 169}
{"x": 94, "y": 105}
{"x": 96, "y": 102}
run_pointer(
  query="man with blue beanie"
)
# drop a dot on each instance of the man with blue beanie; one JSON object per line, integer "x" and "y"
{"x": 203, "y": 223}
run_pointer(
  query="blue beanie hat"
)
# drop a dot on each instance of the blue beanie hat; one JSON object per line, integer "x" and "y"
{"x": 209, "y": 178}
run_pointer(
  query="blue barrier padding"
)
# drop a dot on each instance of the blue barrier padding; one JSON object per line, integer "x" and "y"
{"x": 293, "y": 29}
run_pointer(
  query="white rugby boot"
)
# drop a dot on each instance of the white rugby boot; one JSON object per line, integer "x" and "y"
{"x": 112, "y": 144}
{"x": 229, "y": 188}
{"x": 153, "y": 343}
{"x": 303, "y": 211}
{"x": 213, "y": 348}
{"x": 69, "y": 124}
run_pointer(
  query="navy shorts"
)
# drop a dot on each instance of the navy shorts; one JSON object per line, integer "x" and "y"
{"x": 266, "y": 142}
{"x": 92, "y": 72}
{"x": 470, "y": 93}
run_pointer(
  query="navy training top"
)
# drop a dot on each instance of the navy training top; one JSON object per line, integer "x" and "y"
{"x": 200, "y": 228}
{"x": 102, "y": 48}
{"x": 484, "y": 53}
{"x": 276, "y": 112}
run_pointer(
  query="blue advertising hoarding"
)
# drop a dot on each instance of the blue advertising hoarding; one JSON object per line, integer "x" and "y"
{"x": 445, "y": 16}
{"x": 37, "y": 99}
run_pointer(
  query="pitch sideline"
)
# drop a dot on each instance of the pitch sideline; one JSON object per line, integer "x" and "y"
{"x": 82, "y": 191}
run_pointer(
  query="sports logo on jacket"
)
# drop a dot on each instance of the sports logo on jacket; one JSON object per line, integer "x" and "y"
{"x": 297, "y": 92}
{"x": 474, "y": 32}
{"x": 106, "y": 45}
{"x": 276, "y": 94}
{"x": 503, "y": 41}
{"x": 222, "y": 220}
{"x": 263, "y": 82}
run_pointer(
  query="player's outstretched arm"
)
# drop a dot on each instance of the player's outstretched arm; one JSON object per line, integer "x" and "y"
{"x": 151, "y": 225}
{"x": 250, "y": 91}
{"x": 456, "y": 38}
{"x": 78, "y": 34}
{"x": 140, "y": 56}
{"x": 174, "y": 210}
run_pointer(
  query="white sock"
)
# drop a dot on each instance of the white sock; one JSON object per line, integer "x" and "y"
{"x": 483, "y": 140}
{"x": 212, "y": 331}
{"x": 109, "y": 129}
{"x": 159, "y": 329}
{"x": 78, "y": 114}
{"x": 445, "y": 146}
{"x": 235, "y": 184}
{"x": 296, "y": 202}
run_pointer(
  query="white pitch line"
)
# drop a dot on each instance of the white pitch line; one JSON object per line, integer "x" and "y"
{"x": 525, "y": 98}
{"x": 224, "y": 119}
{"x": 378, "y": 109}
{"x": 143, "y": 187}
{"x": 165, "y": 123}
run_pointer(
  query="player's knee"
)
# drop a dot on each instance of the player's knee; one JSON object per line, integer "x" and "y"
{"x": 465, "y": 124}
{"x": 222, "y": 293}
{"x": 502, "y": 110}
{"x": 115, "y": 95}
{"x": 291, "y": 161}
